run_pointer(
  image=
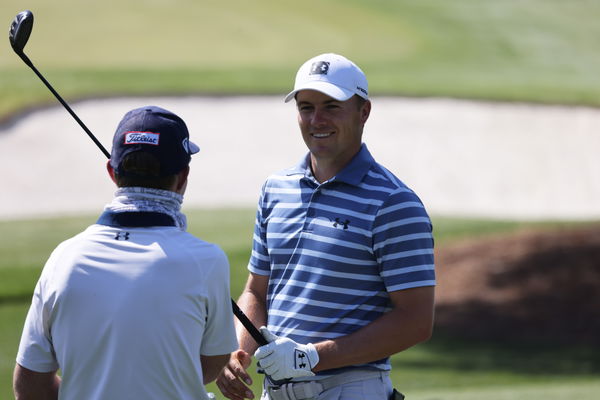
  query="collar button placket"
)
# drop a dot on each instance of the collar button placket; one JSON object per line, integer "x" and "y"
{"x": 310, "y": 210}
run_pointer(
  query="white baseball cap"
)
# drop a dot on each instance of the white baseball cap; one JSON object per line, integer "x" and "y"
{"x": 333, "y": 75}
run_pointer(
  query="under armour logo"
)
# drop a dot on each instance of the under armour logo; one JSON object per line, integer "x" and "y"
{"x": 338, "y": 222}
{"x": 122, "y": 236}
{"x": 301, "y": 359}
{"x": 319, "y": 68}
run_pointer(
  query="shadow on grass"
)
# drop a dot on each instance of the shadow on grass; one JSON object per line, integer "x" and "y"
{"x": 513, "y": 307}
{"x": 446, "y": 351}
{"x": 527, "y": 302}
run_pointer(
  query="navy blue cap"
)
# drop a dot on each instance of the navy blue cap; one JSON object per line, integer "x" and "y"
{"x": 156, "y": 131}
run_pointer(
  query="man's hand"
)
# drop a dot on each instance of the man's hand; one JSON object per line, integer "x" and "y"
{"x": 283, "y": 358}
{"x": 232, "y": 377}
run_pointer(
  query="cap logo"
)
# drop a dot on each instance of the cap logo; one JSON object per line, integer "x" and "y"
{"x": 319, "y": 68}
{"x": 133, "y": 137}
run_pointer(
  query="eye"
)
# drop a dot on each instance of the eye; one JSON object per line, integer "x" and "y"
{"x": 305, "y": 107}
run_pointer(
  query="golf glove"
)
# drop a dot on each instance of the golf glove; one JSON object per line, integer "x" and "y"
{"x": 283, "y": 358}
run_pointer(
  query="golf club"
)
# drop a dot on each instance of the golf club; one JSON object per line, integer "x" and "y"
{"x": 19, "y": 33}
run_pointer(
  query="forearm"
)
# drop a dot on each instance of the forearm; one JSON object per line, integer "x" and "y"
{"x": 254, "y": 306}
{"x": 212, "y": 366}
{"x": 234, "y": 381}
{"x": 31, "y": 385}
{"x": 399, "y": 329}
{"x": 375, "y": 341}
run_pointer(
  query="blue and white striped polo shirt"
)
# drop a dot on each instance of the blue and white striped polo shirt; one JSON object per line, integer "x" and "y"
{"x": 334, "y": 250}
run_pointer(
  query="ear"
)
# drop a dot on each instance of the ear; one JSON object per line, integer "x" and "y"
{"x": 365, "y": 111}
{"x": 111, "y": 171}
{"x": 182, "y": 177}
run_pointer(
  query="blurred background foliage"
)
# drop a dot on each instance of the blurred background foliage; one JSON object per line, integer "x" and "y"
{"x": 534, "y": 50}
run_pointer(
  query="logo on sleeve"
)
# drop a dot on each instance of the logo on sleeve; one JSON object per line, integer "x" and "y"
{"x": 132, "y": 137}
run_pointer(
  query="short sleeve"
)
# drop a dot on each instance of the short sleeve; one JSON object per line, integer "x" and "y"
{"x": 259, "y": 258}
{"x": 35, "y": 349}
{"x": 403, "y": 242}
{"x": 219, "y": 334}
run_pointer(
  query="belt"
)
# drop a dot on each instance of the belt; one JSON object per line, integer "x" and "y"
{"x": 311, "y": 389}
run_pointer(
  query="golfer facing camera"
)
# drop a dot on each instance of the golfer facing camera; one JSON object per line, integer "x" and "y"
{"x": 134, "y": 307}
{"x": 342, "y": 270}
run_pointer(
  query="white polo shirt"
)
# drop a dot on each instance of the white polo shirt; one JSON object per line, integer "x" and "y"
{"x": 125, "y": 313}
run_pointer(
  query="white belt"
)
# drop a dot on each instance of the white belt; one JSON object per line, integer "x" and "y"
{"x": 311, "y": 389}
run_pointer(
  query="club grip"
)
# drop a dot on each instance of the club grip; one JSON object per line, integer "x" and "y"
{"x": 255, "y": 333}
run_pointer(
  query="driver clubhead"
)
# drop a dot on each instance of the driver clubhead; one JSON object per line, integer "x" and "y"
{"x": 20, "y": 29}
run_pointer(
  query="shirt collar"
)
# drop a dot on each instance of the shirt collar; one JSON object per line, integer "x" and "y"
{"x": 353, "y": 173}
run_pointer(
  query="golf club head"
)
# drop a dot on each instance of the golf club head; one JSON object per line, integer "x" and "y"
{"x": 20, "y": 29}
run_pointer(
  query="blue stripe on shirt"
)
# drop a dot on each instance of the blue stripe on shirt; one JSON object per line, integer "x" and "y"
{"x": 334, "y": 251}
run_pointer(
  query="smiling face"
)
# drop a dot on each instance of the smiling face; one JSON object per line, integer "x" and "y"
{"x": 331, "y": 129}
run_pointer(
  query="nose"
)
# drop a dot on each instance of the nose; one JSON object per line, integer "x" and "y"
{"x": 318, "y": 118}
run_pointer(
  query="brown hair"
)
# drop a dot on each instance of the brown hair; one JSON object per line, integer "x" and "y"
{"x": 142, "y": 169}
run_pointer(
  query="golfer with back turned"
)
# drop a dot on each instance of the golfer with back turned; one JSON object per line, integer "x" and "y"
{"x": 342, "y": 270}
{"x": 134, "y": 307}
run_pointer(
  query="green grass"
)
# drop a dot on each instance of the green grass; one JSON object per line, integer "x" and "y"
{"x": 447, "y": 229}
{"x": 445, "y": 368}
{"x": 12, "y": 317}
{"x": 550, "y": 390}
{"x": 535, "y": 50}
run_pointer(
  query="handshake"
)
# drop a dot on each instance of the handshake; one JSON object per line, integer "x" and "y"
{"x": 284, "y": 359}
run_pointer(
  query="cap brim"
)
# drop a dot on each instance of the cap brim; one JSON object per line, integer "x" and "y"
{"x": 193, "y": 148}
{"x": 327, "y": 88}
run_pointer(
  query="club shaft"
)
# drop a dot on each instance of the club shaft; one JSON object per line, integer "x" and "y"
{"x": 255, "y": 333}
{"x": 66, "y": 106}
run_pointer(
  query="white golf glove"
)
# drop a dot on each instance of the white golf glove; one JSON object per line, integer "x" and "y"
{"x": 283, "y": 358}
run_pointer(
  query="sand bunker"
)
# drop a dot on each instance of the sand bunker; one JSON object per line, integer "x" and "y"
{"x": 463, "y": 158}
